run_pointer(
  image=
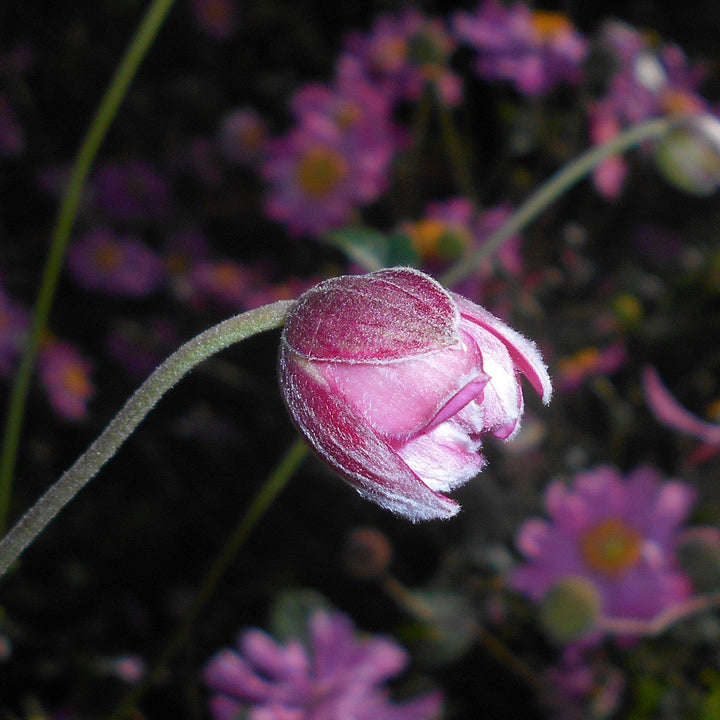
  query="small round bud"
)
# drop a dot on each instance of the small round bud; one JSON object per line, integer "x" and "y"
{"x": 367, "y": 553}
{"x": 570, "y": 609}
{"x": 688, "y": 156}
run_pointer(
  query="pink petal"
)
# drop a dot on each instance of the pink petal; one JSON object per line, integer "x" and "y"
{"x": 669, "y": 411}
{"x": 387, "y": 315}
{"x": 523, "y": 352}
{"x": 343, "y": 438}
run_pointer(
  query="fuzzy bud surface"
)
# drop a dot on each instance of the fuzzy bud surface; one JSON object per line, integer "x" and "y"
{"x": 393, "y": 380}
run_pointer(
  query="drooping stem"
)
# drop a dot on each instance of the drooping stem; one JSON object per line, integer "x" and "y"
{"x": 106, "y": 111}
{"x": 558, "y": 184}
{"x": 166, "y": 375}
{"x": 271, "y": 488}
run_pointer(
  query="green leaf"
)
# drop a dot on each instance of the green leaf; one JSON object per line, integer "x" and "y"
{"x": 372, "y": 249}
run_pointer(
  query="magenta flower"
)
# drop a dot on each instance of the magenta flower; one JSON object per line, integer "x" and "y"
{"x": 648, "y": 82}
{"x": 66, "y": 377}
{"x": 620, "y": 534}
{"x": 131, "y": 191}
{"x": 591, "y": 361}
{"x": 404, "y": 52}
{"x": 101, "y": 261}
{"x": 338, "y": 676}
{"x": 318, "y": 175}
{"x": 393, "y": 380}
{"x": 225, "y": 282}
{"x": 534, "y": 49}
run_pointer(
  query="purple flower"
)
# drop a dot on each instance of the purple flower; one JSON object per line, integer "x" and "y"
{"x": 535, "y": 50}
{"x": 131, "y": 191}
{"x": 404, "y": 52}
{"x": 619, "y": 534}
{"x": 225, "y": 282}
{"x": 393, "y": 381}
{"x": 574, "y": 369}
{"x": 648, "y": 82}
{"x": 66, "y": 377}
{"x": 337, "y": 676}
{"x": 318, "y": 175}
{"x": 101, "y": 261}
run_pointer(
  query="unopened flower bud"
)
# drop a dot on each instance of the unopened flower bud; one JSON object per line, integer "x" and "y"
{"x": 367, "y": 553}
{"x": 570, "y": 609}
{"x": 688, "y": 156}
{"x": 393, "y": 381}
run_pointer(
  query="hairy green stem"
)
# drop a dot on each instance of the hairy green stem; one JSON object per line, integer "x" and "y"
{"x": 271, "y": 488}
{"x": 558, "y": 184}
{"x": 166, "y": 375}
{"x": 104, "y": 115}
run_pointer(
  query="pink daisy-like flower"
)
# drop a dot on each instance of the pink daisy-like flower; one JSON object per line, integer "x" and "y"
{"x": 620, "y": 534}
{"x": 404, "y": 52}
{"x": 534, "y": 49}
{"x": 13, "y": 327}
{"x": 338, "y": 675}
{"x": 131, "y": 191}
{"x": 591, "y": 361}
{"x": 99, "y": 260}
{"x": 359, "y": 109}
{"x": 65, "y": 375}
{"x": 216, "y": 18}
{"x": 318, "y": 177}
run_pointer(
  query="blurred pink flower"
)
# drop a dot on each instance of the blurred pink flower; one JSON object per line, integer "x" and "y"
{"x": 217, "y": 18}
{"x": 338, "y": 675}
{"x": 318, "y": 175}
{"x": 591, "y": 361}
{"x": 620, "y": 534}
{"x": 648, "y": 82}
{"x": 65, "y": 374}
{"x": 393, "y": 381}
{"x": 225, "y": 282}
{"x": 534, "y": 49}
{"x": 671, "y": 413}
{"x": 99, "y": 260}
{"x": 403, "y": 52}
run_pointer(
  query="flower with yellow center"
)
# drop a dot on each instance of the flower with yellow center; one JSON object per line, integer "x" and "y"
{"x": 550, "y": 25}
{"x": 320, "y": 170}
{"x": 611, "y": 547}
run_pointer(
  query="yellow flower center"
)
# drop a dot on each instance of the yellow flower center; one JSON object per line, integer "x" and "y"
{"x": 108, "y": 257}
{"x": 549, "y": 25}
{"x": 611, "y": 547}
{"x": 320, "y": 170}
{"x": 75, "y": 380}
{"x": 389, "y": 53}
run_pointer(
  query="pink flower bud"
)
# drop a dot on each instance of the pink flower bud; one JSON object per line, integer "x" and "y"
{"x": 393, "y": 380}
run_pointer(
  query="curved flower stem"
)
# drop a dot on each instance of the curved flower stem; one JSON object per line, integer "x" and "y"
{"x": 559, "y": 183}
{"x": 272, "y": 487}
{"x": 106, "y": 111}
{"x": 189, "y": 355}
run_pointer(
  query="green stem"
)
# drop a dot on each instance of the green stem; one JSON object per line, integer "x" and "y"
{"x": 272, "y": 487}
{"x": 166, "y": 375}
{"x": 104, "y": 115}
{"x": 455, "y": 150}
{"x": 553, "y": 189}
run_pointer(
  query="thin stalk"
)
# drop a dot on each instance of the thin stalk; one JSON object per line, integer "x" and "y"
{"x": 558, "y": 184}
{"x": 271, "y": 488}
{"x": 166, "y": 375}
{"x": 139, "y": 45}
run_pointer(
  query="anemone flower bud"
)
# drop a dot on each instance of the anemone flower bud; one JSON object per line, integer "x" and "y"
{"x": 393, "y": 380}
